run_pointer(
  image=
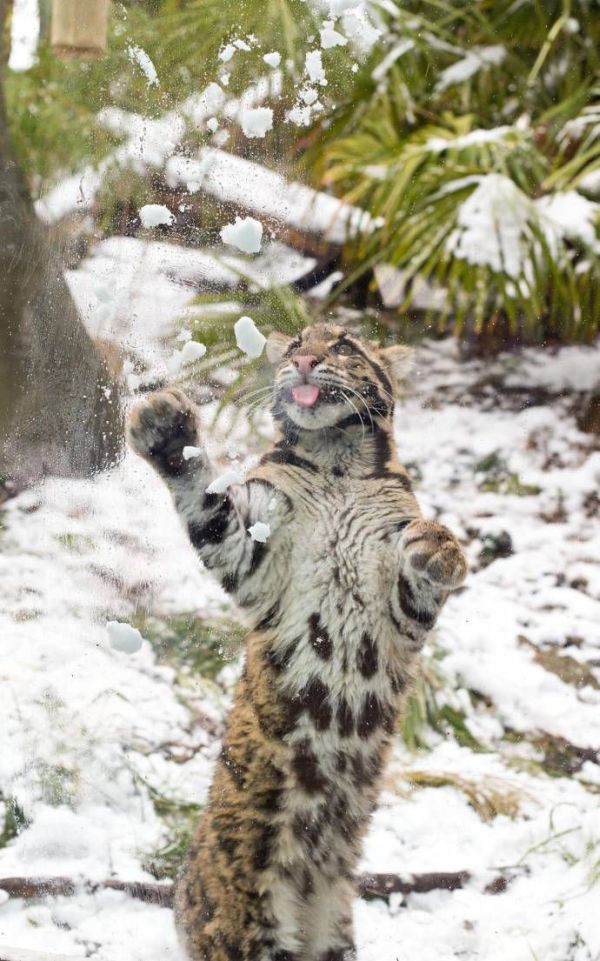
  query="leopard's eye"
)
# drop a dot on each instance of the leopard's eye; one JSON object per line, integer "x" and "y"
{"x": 344, "y": 348}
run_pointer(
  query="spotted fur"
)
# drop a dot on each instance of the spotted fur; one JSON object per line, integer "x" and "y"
{"x": 340, "y": 598}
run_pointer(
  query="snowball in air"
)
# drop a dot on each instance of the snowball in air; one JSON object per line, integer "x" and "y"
{"x": 248, "y": 337}
{"x": 189, "y": 452}
{"x": 314, "y": 67}
{"x": 192, "y": 351}
{"x": 245, "y": 234}
{"x": 212, "y": 123}
{"x": 256, "y": 122}
{"x": 227, "y": 53}
{"x": 152, "y": 215}
{"x": 123, "y": 637}
{"x": 272, "y": 59}
{"x": 223, "y": 481}
{"x": 260, "y": 532}
{"x": 331, "y": 38}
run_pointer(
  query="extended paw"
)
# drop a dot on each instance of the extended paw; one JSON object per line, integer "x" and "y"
{"x": 434, "y": 552}
{"x": 161, "y": 426}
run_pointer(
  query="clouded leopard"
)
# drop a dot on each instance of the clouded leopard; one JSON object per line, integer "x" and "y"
{"x": 340, "y": 598}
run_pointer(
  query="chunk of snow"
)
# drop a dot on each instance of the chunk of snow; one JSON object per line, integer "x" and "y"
{"x": 493, "y": 226}
{"x": 301, "y": 116}
{"x": 331, "y": 38}
{"x": 245, "y": 234}
{"x": 139, "y": 56}
{"x": 389, "y": 60}
{"x": 227, "y": 53}
{"x": 123, "y": 637}
{"x": 184, "y": 335}
{"x": 340, "y": 6}
{"x": 190, "y": 452}
{"x": 470, "y": 65}
{"x": 479, "y": 136}
{"x": 213, "y": 124}
{"x": 152, "y": 215}
{"x": 220, "y": 484}
{"x": 572, "y": 215}
{"x": 248, "y": 337}
{"x": 309, "y": 95}
{"x": 314, "y": 67}
{"x": 256, "y": 122}
{"x": 192, "y": 351}
{"x": 272, "y": 59}
{"x": 260, "y": 532}
{"x": 24, "y": 34}
{"x": 189, "y": 354}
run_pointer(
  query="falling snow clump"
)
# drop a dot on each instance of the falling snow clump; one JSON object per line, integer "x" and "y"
{"x": 272, "y": 59}
{"x": 256, "y": 122}
{"x": 260, "y": 532}
{"x": 154, "y": 215}
{"x": 248, "y": 337}
{"x": 123, "y": 637}
{"x": 189, "y": 452}
{"x": 245, "y": 234}
{"x": 224, "y": 480}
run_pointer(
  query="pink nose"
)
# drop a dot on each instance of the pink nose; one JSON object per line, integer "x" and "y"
{"x": 304, "y": 362}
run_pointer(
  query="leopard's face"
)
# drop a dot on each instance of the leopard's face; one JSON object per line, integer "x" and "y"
{"x": 327, "y": 377}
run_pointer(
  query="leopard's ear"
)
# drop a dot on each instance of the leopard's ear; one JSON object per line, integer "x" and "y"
{"x": 399, "y": 359}
{"x": 277, "y": 344}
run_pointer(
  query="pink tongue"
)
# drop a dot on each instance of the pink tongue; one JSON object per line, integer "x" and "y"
{"x": 306, "y": 394}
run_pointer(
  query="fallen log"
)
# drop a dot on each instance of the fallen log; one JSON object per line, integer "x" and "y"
{"x": 369, "y": 886}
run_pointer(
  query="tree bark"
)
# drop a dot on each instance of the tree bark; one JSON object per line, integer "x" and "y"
{"x": 59, "y": 405}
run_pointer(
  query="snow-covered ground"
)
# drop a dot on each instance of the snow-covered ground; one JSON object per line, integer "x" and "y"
{"x": 91, "y": 737}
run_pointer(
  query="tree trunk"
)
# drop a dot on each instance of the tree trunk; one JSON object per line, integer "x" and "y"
{"x": 59, "y": 405}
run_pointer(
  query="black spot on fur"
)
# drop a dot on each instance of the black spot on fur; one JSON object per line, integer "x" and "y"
{"x": 270, "y": 619}
{"x": 382, "y": 452}
{"x": 262, "y": 853}
{"x": 406, "y": 599}
{"x": 213, "y": 530}
{"x": 315, "y": 699}
{"x": 319, "y": 638}
{"x": 345, "y": 718}
{"x": 280, "y": 659}
{"x": 339, "y": 954}
{"x": 306, "y": 769}
{"x": 258, "y": 553}
{"x": 307, "y": 885}
{"x": 367, "y": 659}
{"x": 308, "y": 828}
{"x": 290, "y": 459}
{"x": 234, "y": 769}
{"x": 229, "y": 583}
{"x": 341, "y": 762}
{"x": 398, "y": 682}
{"x": 373, "y": 715}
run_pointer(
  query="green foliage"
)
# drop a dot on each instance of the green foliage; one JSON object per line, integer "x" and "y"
{"x": 15, "y": 820}
{"x": 180, "y": 819}
{"x": 190, "y": 644}
{"x": 413, "y": 141}
{"x": 495, "y": 477}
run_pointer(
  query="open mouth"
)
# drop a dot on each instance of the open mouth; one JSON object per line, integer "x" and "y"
{"x": 306, "y": 395}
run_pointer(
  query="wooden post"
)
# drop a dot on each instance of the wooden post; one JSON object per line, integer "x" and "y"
{"x": 79, "y": 28}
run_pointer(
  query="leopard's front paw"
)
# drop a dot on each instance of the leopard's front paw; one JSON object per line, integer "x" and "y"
{"x": 433, "y": 551}
{"x": 160, "y": 426}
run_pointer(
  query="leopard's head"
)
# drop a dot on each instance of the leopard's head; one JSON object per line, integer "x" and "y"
{"x": 328, "y": 377}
